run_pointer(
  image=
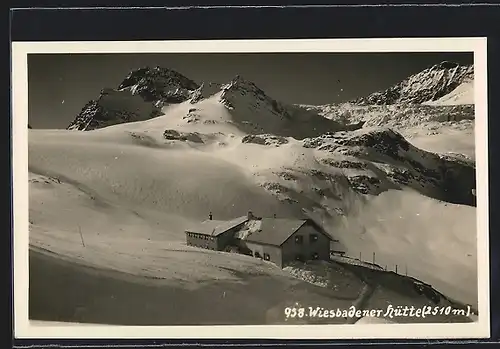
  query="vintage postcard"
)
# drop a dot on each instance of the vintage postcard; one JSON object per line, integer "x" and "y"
{"x": 325, "y": 189}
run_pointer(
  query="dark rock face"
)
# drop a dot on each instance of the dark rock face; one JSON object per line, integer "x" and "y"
{"x": 90, "y": 117}
{"x": 459, "y": 180}
{"x": 95, "y": 115}
{"x": 428, "y": 85}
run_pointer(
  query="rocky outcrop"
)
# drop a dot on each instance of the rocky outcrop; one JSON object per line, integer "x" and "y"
{"x": 173, "y": 135}
{"x": 384, "y": 155}
{"x": 265, "y": 139}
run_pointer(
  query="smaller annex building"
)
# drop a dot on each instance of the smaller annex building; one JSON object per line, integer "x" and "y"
{"x": 213, "y": 234}
{"x": 278, "y": 240}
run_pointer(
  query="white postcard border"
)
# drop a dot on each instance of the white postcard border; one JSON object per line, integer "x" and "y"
{"x": 23, "y": 328}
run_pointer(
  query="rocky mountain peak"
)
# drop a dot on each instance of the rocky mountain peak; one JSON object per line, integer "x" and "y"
{"x": 428, "y": 85}
{"x": 240, "y": 90}
{"x": 159, "y": 84}
{"x": 444, "y": 65}
{"x": 240, "y": 83}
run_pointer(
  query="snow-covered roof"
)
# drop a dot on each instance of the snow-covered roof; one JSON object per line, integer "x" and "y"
{"x": 217, "y": 227}
{"x": 275, "y": 231}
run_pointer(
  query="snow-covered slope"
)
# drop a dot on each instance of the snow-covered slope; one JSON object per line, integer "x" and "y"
{"x": 255, "y": 112}
{"x": 427, "y": 85}
{"x": 462, "y": 94}
{"x": 172, "y": 181}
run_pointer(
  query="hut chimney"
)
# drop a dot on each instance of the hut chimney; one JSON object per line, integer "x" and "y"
{"x": 250, "y": 215}
{"x": 210, "y": 216}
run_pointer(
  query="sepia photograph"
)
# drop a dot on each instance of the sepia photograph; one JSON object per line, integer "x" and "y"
{"x": 282, "y": 191}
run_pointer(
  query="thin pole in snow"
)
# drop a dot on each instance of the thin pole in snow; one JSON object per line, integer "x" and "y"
{"x": 81, "y": 236}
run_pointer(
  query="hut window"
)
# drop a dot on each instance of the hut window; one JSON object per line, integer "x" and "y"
{"x": 257, "y": 255}
{"x": 266, "y": 256}
{"x": 299, "y": 239}
{"x": 315, "y": 255}
{"x": 313, "y": 237}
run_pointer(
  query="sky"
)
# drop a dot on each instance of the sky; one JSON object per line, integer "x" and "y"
{"x": 59, "y": 85}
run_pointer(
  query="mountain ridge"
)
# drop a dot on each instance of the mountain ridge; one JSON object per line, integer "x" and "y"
{"x": 427, "y": 85}
{"x": 149, "y": 90}
{"x": 158, "y": 87}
